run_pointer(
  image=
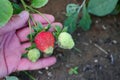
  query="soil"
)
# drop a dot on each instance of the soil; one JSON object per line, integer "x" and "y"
{"x": 96, "y": 54}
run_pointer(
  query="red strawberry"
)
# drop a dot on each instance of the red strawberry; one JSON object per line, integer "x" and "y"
{"x": 45, "y": 42}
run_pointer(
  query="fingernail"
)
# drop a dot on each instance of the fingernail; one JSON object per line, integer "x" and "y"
{"x": 23, "y": 14}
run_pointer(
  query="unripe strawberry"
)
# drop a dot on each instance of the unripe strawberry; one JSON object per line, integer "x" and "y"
{"x": 33, "y": 55}
{"x": 65, "y": 41}
{"x": 45, "y": 42}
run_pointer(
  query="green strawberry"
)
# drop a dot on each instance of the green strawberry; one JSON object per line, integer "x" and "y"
{"x": 65, "y": 41}
{"x": 33, "y": 55}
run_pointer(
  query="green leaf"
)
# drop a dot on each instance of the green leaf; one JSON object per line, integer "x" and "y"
{"x": 31, "y": 36}
{"x": 76, "y": 68}
{"x": 16, "y": 8}
{"x": 39, "y": 3}
{"x": 65, "y": 29}
{"x": 47, "y": 27}
{"x": 101, "y": 7}
{"x": 85, "y": 22}
{"x": 24, "y": 55}
{"x": 117, "y": 9}
{"x": 71, "y": 8}
{"x": 73, "y": 70}
{"x": 71, "y": 22}
{"x": 38, "y": 28}
{"x": 31, "y": 47}
{"x": 11, "y": 78}
{"x": 6, "y": 12}
{"x": 57, "y": 31}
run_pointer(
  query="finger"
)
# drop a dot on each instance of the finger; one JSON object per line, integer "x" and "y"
{"x": 24, "y": 46}
{"x": 42, "y": 18}
{"x": 23, "y": 33}
{"x": 25, "y": 64}
{"x": 15, "y": 22}
{"x": 53, "y": 25}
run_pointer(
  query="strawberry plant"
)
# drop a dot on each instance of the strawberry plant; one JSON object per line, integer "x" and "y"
{"x": 72, "y": 21}
{"x": 95, "y": 7}
{"x": 43, "y": 41}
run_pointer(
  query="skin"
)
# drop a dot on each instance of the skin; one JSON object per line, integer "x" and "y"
{"x": 13, "y": 42}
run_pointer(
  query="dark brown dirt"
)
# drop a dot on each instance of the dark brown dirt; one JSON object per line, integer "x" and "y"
{"x": 97, "y": 51}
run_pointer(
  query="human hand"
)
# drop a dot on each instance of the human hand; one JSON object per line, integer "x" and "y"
{"x": 13, "y": 42}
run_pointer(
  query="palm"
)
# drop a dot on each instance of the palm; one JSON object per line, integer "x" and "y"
{"x": 11, "y": 52}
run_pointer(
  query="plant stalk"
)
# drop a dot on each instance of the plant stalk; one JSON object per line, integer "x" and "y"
{"x": 30, "y": 27}
{"x": 38, "y": 13}
{"x": 81, "y": 6}
{"x": 31, "y": 77}
{"x": 24, "y": 4}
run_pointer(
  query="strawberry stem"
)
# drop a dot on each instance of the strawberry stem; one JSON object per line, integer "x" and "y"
{"x": 81, "y": 6}
{"x": 78, "y": 50}
{"x": 31, "y": 77}
{"x": 24, "y": 5}
{"x": 30, "y": 27}
{"x": 33, "y": 20}
{"x": 43, "y": 16}
{"x": 32, "y": 9}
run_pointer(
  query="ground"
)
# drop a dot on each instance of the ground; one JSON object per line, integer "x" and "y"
{"x": 96, "y": 53}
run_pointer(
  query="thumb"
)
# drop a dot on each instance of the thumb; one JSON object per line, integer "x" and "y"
{"x": 16, "y": 22}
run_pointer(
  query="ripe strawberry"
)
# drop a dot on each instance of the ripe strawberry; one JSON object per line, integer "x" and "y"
{"x": 65, "y": 41}
{"x": 45, "y": 42}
